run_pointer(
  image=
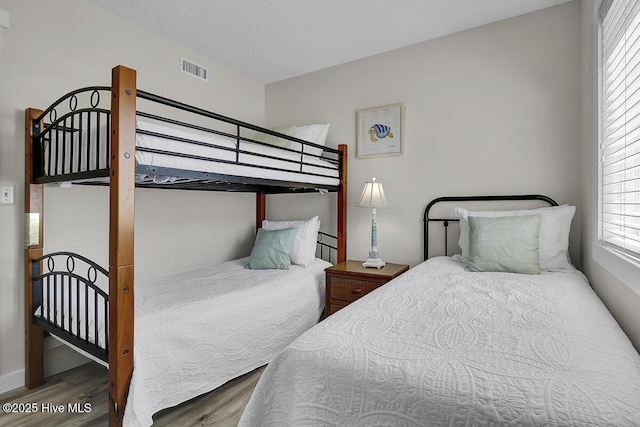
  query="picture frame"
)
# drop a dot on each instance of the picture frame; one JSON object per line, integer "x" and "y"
{"x": 380, "y": 131}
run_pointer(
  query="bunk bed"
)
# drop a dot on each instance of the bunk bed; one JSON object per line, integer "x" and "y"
{"x": 125, "y": 138}
{"x": 450, "y": 343}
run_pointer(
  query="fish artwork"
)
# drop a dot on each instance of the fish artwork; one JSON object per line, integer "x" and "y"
{"x": 378, "y": 131}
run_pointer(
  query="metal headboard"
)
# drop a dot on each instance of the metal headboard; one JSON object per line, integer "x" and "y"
{"x": 445, "y": 221}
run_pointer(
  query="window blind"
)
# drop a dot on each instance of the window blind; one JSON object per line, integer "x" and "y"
{"x": 619, "y": 218}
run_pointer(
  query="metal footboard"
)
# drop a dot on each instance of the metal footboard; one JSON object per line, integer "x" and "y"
{"x": 69, "y": 300}
{"x": 327, "y": 248}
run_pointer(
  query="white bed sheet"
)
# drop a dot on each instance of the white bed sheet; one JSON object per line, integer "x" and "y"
{"x": 440, "y": 346}
{"x": 196, "y": 330}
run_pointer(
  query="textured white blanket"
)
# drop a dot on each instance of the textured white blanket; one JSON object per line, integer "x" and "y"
{"x": 440, "y": 346}
{"x": 196, "y": 330}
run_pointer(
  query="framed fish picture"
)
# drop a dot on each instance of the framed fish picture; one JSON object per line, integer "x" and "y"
{"x": 380, "y": 131}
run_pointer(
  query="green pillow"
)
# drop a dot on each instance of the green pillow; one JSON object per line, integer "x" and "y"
{"x": 276, "y": 140}
{"x": 505, "y": 244}
{"x": 272, "y": 248}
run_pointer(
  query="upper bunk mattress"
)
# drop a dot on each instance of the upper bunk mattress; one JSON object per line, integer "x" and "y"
{"x": 255, "y": 160}
{"x": 162, "y": 149}
{"x": 440, "y": 346}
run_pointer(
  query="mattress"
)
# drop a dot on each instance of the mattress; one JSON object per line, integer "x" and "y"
{"x": 198, "y": 329}
{"x": 205, "y": 152}
{"x": 440, "y": 346}
{"x": 195, "y": 331}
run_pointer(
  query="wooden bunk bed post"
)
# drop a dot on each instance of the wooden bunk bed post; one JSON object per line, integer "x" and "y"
{"x": 342, "y": 206}
{"x": 261, "y": 208}
{"x": 34, "y": 204}
{"x": 121, "y": 239}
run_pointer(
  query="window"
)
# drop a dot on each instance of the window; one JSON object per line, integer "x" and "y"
{"x": 619, "y": 177}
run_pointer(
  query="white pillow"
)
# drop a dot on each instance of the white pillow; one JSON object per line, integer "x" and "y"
{"x": 274, "y": 140}
{"x": 553, "y": 239}
{"x": 304, "y": 244}
{"x": 312, "y": 133}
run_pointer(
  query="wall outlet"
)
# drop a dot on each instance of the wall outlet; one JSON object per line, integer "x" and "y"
{"x": 6, "y": 195}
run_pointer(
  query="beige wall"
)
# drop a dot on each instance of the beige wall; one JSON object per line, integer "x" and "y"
{"x": 621, "y": 299}
{"x": 492, "y": 110}
{"x": 54, "y": 47}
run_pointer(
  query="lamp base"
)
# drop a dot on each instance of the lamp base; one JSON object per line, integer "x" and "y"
{"x": 374, "y": 263}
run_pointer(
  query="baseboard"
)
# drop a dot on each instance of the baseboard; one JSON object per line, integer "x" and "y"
{"x": 58, "y": 358}
{"x": 12, "y": 381}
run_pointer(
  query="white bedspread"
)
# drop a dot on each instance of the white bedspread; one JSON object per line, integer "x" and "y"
{"x": 439, "y": 346}
{"x": 196, "y": 330}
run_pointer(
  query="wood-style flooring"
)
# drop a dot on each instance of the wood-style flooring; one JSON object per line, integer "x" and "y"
{"x": 87, "y": 384}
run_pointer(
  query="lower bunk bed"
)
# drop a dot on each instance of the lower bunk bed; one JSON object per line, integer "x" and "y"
{"x": 450, "y": 343}
{"x": 195, "y": 330}
{"x": 168, "y": 339}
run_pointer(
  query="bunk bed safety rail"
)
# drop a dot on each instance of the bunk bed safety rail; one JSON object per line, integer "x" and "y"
{"x": 234, "y": 136}
{"x": 69, "y": 300}
{"x": 238, "y": 123}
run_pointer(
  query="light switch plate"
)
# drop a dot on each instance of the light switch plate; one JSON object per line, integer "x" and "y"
{"x": 6, "y": 195}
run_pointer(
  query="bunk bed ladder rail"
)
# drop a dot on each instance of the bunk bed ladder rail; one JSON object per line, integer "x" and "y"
{"x": 70, "y": 305}
{"x": 71, "y": 137}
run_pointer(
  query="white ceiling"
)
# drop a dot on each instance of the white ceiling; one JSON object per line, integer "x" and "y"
{"x": 272, "y": 40}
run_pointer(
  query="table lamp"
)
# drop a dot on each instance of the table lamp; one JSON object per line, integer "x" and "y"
{"x": 373, "y": 197}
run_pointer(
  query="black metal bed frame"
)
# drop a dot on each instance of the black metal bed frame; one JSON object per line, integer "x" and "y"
{"x": 67, "y": 282}
{"x": 445, "y": 221}
{"x": 69, "y": 156}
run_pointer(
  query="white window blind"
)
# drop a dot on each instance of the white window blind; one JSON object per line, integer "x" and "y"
{"x": 619, "y": 218}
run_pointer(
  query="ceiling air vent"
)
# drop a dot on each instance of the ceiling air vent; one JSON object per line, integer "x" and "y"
{"x": 194, "y": 70}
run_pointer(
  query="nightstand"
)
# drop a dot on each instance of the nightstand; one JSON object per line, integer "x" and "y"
{"x": 349, "y": 280}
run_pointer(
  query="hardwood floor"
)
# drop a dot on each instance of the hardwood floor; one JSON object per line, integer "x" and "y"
{"x": 87, "y": 384}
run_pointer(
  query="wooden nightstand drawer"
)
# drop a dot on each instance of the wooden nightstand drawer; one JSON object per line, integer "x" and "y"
{"x": 349, "y": 280}
{"x": 350, "y": 289}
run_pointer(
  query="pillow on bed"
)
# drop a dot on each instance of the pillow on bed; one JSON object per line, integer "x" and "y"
{"x": 312, "y": 133}
{"x": 271, "y": 249}
{"x": 504, "y": 244}
{"x": 275, "y": 140}
{"x": 304, "y": 244}
{"x": 553, "y": 239}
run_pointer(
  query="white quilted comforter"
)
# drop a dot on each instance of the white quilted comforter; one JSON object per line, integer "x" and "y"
{"x": 439, "y": 346}
{"x": 196, "y": 330}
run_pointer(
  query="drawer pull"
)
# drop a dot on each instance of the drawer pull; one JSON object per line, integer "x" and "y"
{"x": 356, "y": 290}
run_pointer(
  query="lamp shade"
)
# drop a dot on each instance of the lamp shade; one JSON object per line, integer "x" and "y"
{"x": 373, "y": 196}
